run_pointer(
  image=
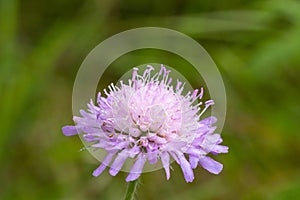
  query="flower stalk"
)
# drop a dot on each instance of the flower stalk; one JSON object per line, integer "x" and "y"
{"x": 131, "y": 190}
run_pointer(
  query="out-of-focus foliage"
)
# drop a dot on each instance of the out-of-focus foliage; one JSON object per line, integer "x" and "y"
{"x": 256, "y": 45}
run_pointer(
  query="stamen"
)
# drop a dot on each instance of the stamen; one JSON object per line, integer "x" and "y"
{"x": 170, "y": 81}
{"x": 201, "y": 93}
{"x": 178, "y": 85}
{"x": 207, "y": 105}
{"x": 106, "y": 93}
{"x": 194, "y": 95}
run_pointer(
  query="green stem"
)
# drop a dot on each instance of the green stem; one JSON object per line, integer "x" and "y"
{"x": 131, "y": 190}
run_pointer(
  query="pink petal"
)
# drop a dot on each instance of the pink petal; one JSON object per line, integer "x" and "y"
{"x": 193, "y": 161}
{"x": 165, "y": 159}
{"x": 186, "y": 168}
{"x": 211, "y": 165}
{"x": 104, "y": 164}
{"x": 136, "y": 169}
{"x": 69, "y": 130}
{"x": 118, "y": 163}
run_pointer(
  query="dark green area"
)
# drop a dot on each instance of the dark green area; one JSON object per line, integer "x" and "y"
{"x": 256, "y": 45}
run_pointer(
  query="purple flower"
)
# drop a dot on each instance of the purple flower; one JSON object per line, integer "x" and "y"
{"x": 150, "y": 120}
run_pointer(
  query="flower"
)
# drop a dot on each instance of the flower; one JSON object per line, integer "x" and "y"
{"x": 150, "y": 120}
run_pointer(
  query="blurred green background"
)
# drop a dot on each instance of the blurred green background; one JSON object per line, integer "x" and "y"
{"x": 256, "y": 45}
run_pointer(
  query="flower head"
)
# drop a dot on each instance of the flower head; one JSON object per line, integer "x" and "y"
{"x": 150, "y": 120}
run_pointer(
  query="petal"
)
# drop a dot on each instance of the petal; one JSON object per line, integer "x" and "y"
{"x": 136, "y": 169}
{"x": 69, "y": 130}
{"x": 104, "y": 164}
{"x": 118, "y": 163}
{"x": 174, "y": 155}
{"x": 165, "y": 159}
{"x": 186, "y": 168}
{"x": 86, "y": 115}
{"x": 193, "y": 161}
{"x": 134, "y": 151}
{"x": 157, "y": 139}
{"x": 219, "y": 149}
{"x": 209, "y": 121}
{"x": 118, "y": 146}
{"x": 195, "y": 151}
{"x": 213, "y": 139}
{"x": 211, "y": 165}
{"x": 152, "y": 157}
{"x": 92, "y": 137}
{"x": 101, "y": 144}
{"x": 85, "y": 121}
{"x": 91, "y": 130}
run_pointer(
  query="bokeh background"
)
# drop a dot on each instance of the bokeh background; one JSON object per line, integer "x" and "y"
{"x": 256, "y": 45}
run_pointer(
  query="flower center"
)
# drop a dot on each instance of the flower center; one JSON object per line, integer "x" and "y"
{"x": 148, "y": 120}
{"x": 158, "y": 117}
